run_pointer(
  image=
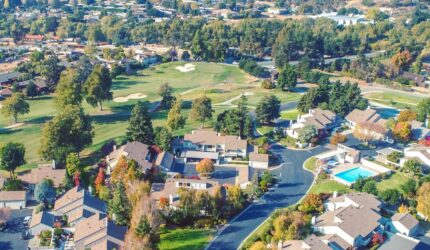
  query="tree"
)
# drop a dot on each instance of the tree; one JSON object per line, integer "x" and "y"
{"x": 235, "y": 198}
{"x": 423, "y": 110}
{"x": 337, "y": 138}
{"x": 402, "y": 131}
{"x": 401, "y": 60}
{"x": 15, "y": 106}
{"x": 163, "y": 138}
{"x": 165, "y": 91}
{"x": 140, "y": 125}
{"x": 12, "y": 155}
{"x": 395, "y": 157}
{"x": 205, "y": 167}
{"x": 391, "y": 196}
{"x": 409, "y": 188}
{"x": 367, "y": 131}
{"x": 51, "y": 71}
{"x": 119, "y": 206}
{"x": 403, "y": 208}
{"x": 31, "y": 90}
{"x": 99, "y": 181}
{"x": 45, "y": 193}
{"x": 312, "y": 203}
{"x": 423, "y": 200}
{"x": 201, "y": 110}
{"x": 377, "y": 239}
{"x": 175, "y": 119}
{"x": 412, "y": 167}
{"x": 307, "y": 133}
{"x": 407, "y": 115}
{"x": 73, "y": 164}
{"x": 97, "y": 86}
{"x": 370, "y": 187}
{"x": 68, "y": 91}
{"x": 259, "y": 245}
{"x": 268, "y": 109}
{"x": 287, "y": 78}
{"x": 69, "y": 131}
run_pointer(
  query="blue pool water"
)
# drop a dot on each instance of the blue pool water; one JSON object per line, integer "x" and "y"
{"x": 353, "y": 174}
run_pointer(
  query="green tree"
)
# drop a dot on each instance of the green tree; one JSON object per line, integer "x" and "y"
{"x": 68, "y": 91}
{"x": 97, "y": 86}
{"x": 175, "y": 119}
{"x": 69, "y": 131}
{"x": 307, "y": 133}
{"x": 73, "y": 164}
{"x": 12, "y": 156}
{"x": 15, "y": 106}
{"x": 119, "y": 206}
{"x": 31, "y": 90}
{"x": 201, "y": 110}
{"x": 163, "y": 137}
{"x": 423, "y": 110}
{"x": 412, "y": 167}
{"x": 165, "y": 91}
{"x": 140, "y": 125}
{"x": 51, "y": 71}
{"x": 268, "y": 109}
{"x": 45, "y": 192}
{"x": 287, "y": 78}
{"x": 143, "y": 227}
{"x": 370, "y": 187}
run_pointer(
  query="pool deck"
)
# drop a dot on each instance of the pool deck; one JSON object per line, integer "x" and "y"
{"x": 374, "y": 168}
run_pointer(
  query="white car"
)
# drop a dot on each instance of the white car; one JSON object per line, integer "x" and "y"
{"x": 26, "y": 221}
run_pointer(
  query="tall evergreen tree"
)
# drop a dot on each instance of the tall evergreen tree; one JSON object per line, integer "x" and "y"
{"x": 68, "y": 92}
{"x": 140, "y": 125}
{"x": 97, "y": 86}
{"x": 287, "y": 78}
{"x": 119, "y": 206}
{"x": 31, "y": 90}
{"x": 163, "y": 137}
{"x": 268, "y": 109}
{"x": 143, "y": 228}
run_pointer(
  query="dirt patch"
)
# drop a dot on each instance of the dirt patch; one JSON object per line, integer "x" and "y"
{"x": 129, "y": 97}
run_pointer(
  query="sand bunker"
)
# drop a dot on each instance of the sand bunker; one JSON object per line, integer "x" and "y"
{"x": 248, "y": 93}
{"x": 16, "y": 125}
{"x": 186, "y": 68}
{"x": 129, "y": 97}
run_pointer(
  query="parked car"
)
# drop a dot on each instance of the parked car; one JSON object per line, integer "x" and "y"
{"x": 26, "y": 221}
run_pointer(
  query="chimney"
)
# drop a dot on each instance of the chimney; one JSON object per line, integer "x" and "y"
{"x": 53, "y": 164}
{"x": 170, "y": 198}
{"x": 280, "y": 245}
{"x": 314, "y": 220}
{"x": 334, "y": 194}
{"x": 114, "y": 147}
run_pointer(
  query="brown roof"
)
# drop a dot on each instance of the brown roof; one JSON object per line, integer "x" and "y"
{"x": 358, "y": 221}
{"x": 45, "y": 171}
{"x": 319, "y": 118}
{"x": 258, "y": 157}
{"x": 313, "y": 242}
{"x": 136, "y": 151}
{"x": 78, "y": 198}
{"x": 97, "y": 228}
{"x": 13, "y": 196}
{"x": 406, "y": 219}
{"x": 334, "y": 239}
{"x": 211, "y": 137}
{"x": 364, "y": 199}
{"x": 42, "y": 217}
{"x": 6, "y": 92}
{"x": 165, "y": 159}
{"x": 368, "y": 115}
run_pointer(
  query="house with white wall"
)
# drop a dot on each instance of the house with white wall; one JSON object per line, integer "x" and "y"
{"x": 417, "y": 152}
{"x": 13, "y": 199}
{"x": 405, "y": 224}
{"x": 323, "y": 120}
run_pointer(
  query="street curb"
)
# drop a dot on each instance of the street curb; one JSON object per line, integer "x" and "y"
{"x": 313, "y": 182}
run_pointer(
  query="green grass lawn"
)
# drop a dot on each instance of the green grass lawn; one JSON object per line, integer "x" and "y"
{"x": 185, "y": 239}
{"x": 112, "y": 122}
{"x": 394, "y": 181}
{"x": 328, "y": 186}
{"x": 290, "y": 114}
{"x": 395, "y": 99}
{"x": 311, "y": 164}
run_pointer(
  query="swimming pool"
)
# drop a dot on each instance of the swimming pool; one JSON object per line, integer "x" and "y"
{"x": 353, "y": 174}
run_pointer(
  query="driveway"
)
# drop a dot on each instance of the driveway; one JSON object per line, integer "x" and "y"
{"x": 11, "y": 237}
{"x": 293, "y": 185}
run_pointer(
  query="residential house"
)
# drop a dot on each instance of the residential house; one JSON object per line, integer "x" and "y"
{"x": 209, "y": 144}
{"x": 399, "y": 241}
{"x": 145, "y": 156}
{"x": 9, "y": 78}
{"x": 417, "y": 152}
{"x": 368, "y": 116}
{"x": 351, "y": 218}
{"x": 257, "y": 160}
{"x": 310, "y": 243}
{"x": 169, "y": 189}
{"x": 417, "y": 79}
{"x": 43, "y": 171}
{"x": 405, "y": 223}
{"x": 98, "y": 232}
{"x": 382, "y": 155}
{"x": 145, "y": 58}
{"x": 41, "y": 221}
{"x": 323, "y": 120}
{"x": 347, "y": 154}
{"x": 13, "y": 199}
{"x": 78, "y": 204}
{"x": 5, "y": 93}
{"x": 419, "y": 130}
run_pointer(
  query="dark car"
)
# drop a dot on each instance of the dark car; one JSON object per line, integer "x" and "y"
{"x": 25, "y": 235}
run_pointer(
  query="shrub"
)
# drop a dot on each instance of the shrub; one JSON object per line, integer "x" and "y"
{"x": 267, "y": 84}
{"x": 337, "y": 138}
{"x": 205, "y": 166}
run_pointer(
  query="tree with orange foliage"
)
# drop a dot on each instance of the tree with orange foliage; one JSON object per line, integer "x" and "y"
{"x": 164, "y": 202}
{"x": 407, "y": 115}
{"x": 205, "y": 167}
{"x": 402, "y": 131}
{"x": 337, "y": 138}
{"x": 423, "y": 200}
{"x": 403, "y": 209}
{"x": 312, "y": 203}
{"x": 120, "y": 170}
{"x": 377, "y": 239}
{"x": 401, "y": 60}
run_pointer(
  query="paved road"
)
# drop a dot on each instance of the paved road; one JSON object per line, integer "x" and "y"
{"x": 294, "y": 182}
{"x": 10, "y": 239}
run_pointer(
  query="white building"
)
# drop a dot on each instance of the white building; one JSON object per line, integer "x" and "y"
{"x": 405, "y": 223}
{"x": 257, "y": 160}
{"x": 13, "y": 199}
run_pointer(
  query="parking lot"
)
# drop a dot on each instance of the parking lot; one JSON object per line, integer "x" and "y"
{"x": 10, "y": 238}
{"x": 224, "y": 175}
